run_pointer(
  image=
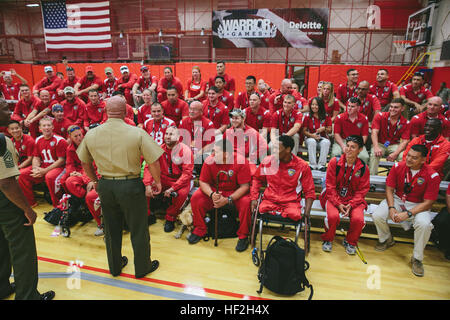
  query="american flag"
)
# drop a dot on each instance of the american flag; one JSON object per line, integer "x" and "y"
{"x": 76, "y": 25}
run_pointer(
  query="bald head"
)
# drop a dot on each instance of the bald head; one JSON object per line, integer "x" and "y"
{"x": 116, "y": 107}
{"x": 286, "y": 85}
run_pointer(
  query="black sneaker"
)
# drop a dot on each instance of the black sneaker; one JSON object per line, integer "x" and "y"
{"x": 151, "y": 219}
{"x": 242, "y": 245}
{"x": 49, "y": 295}
{"x": 169, "y": 226}
{"x": 193, "y": 238}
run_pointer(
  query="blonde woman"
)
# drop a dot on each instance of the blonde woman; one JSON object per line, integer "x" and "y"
{"x": 196, "y": 87}
{"x": 332, "y": 106}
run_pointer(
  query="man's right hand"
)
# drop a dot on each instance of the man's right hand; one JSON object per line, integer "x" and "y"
{"x": 392, "y": 213}
{"x": 378, "y": 151}
{"x": 30, "y": 214}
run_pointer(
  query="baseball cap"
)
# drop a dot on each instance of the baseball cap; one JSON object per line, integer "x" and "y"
{"x": 57, "y": 107}
{"x": 69, "y": 89}
{"x": 89, "y": 68}
{"x": 70, "y": 69}
{"x": 108, "y": 70}
{"x": 48, "y": 69}
{"x": 124, "y": 69}
{"x": 237, "y": 113}
{"x": 143, "y": 68}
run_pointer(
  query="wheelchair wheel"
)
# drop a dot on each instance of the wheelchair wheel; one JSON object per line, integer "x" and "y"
{"x": 255, "y": 257}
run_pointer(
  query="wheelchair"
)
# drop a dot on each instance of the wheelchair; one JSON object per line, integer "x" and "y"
{"x": 258, "y": 221}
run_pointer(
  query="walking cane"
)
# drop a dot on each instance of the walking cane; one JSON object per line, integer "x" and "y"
{"x": 216, "y": 209}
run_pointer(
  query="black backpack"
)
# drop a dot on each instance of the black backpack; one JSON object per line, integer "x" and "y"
{"x": 227, "y": 224}
{"x": 283, "y": 268}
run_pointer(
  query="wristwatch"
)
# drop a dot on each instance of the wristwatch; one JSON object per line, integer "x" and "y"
{"x": 230, "y": 200}
{"x": 409, "y": 213}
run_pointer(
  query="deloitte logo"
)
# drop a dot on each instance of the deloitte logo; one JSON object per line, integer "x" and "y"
{"x": 246, "y": 28}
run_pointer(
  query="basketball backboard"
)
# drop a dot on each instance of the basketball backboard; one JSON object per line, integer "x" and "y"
{"x": 420, "y": 25}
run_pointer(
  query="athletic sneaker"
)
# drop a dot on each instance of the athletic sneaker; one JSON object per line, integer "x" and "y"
{"x": 99, "y": 232}
{"x": 327, "y": 246}
{"x": 242, "y": 245}
{"x": 349, "y": 248}
{"x": 169, "y": 226}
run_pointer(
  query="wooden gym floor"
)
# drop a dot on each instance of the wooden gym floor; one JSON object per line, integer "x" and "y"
{"x": 202, "y": 271}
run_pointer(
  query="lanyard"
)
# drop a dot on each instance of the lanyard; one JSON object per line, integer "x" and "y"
{"x": 408, "y": 185}
{"x": 321, "y": 122}
{"x": 169, "y": 162}
{"x": 159, "y": 127}
{"x": 347, "y": 183}
{"x": 283, "y": 119}
{"x": 389, "y": 126}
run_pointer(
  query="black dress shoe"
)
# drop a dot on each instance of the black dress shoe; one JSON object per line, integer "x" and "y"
{"x": 124, "y": 263}
{"x": 154, "y": 266}
{"x": 49, "y": 295}
{"x": 169, "y": 226}
{"x": 193, "y": 238}
{"x": 12, "y": 289}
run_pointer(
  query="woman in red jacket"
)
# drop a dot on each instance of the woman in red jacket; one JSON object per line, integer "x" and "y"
{"x": 347, "y": 183}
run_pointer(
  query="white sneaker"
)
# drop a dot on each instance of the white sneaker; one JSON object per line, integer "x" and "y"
{"x": 327, "y": 246}
{"x": 99, "y": 232}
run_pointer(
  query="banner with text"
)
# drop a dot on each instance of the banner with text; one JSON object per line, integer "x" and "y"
{"x": 260, "y": 28}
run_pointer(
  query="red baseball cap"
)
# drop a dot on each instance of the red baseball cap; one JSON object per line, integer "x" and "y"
{"x": 89, "y": 68}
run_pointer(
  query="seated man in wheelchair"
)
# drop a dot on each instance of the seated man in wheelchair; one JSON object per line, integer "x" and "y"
{"x": 176, "y": 165}
{"x": 286, "y": 176}
{"x": 216, "y": 191}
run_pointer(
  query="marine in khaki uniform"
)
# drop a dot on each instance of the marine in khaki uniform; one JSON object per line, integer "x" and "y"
{"x": 17, "y": 242}
{"x": 116, "y": 148}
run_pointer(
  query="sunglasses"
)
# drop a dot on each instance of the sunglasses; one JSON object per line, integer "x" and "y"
{"x": 74, "y": 128}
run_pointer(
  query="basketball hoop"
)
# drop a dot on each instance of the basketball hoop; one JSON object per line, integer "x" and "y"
{"x": 402, "y": 45}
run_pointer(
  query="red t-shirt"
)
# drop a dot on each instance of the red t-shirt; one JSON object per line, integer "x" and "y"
{"x": 109, "y": 86}
{"x": 247, "y": 142}
{"x": 418, "y": 97}
{"x": 388, "y": 131}
{"x": 230, "y": 84}
{"x": 163, "y": 84}
{"x": 194, "y": 88}
{"x": 242, "y": 100}
{"x": 157, "y": 129}
{"x": 385, "y": 93}
{"x": 73, "y": 163}
{"x": 147, "y": 83}
{"x": 227, "y": 99}
{"x": 331, "y": 107}
{"x": 10, "y": 92}
{"x": 343, "y": 92}
{"x": 144, "y": 113}
{"x": 425, "y": 184}
{"x": 345, "y": 127}
{"x": 313, "y": 123}
{"x": 175, "y": 111}
{"x": 60, "y": 127}
{"x": 265, "y": 98}
{"x": 74, "y": 111}
{"x": 23, "y": 108}
{"x": 418, "y": 124}
{"x": 94, "y": 114}
{"x": 201, "y": 130}
{"x": 369, "y": 106}
{"x": 238, "y": 172}
{"x": 50, "y": 150}
{"x": 219, "y": 114}
{"x": 24, "y": 147}
{"x": 284, "y": 123}
{"x": 259, "y": 120}
{"x": 86, "y": 83}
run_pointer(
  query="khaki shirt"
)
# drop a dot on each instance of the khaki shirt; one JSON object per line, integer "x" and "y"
{"x": 8, "y": 163}
{"x": 116, "y": 148}
{"x": 8, "y": 169}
